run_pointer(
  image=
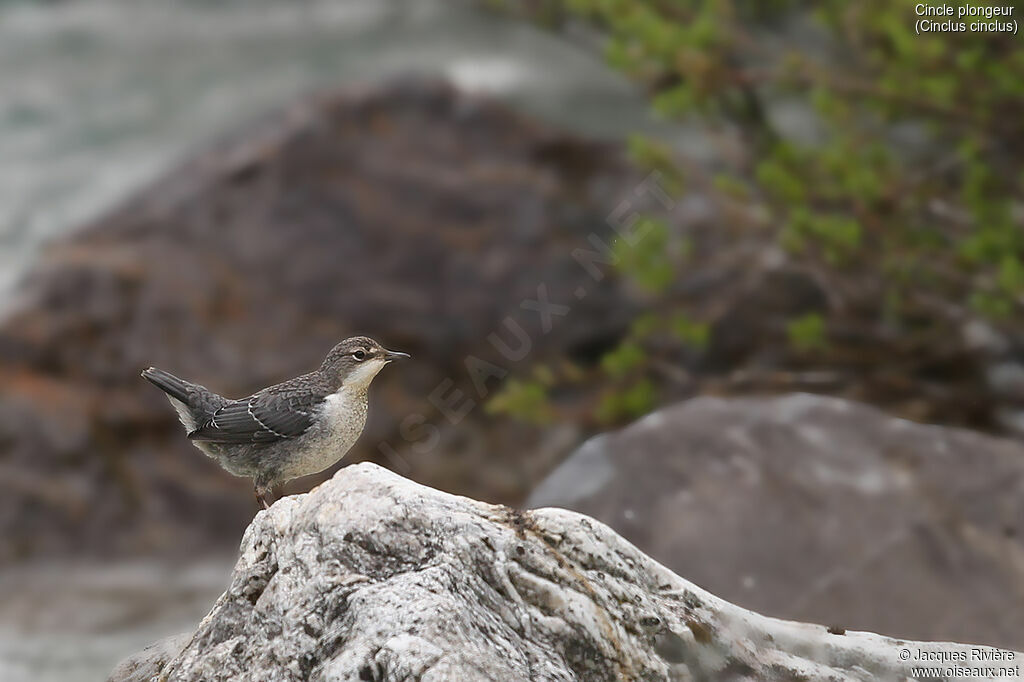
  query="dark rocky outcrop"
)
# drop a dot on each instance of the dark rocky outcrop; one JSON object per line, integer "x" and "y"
{"x": 372, "y": 577}
{"x": 409, "y": 212}
{"x": 818, "y": 509}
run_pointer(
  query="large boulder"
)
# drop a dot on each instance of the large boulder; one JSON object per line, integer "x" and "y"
{"x": 373, "y": 577}
{"x": 820, "y": 509}
{"x": 424, "y": 217}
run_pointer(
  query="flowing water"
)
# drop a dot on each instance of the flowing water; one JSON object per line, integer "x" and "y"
{"x": 73, "y": 621}
{"x": 97, "y": 97}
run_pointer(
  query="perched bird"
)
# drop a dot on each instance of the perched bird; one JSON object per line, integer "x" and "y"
{"x": 295, "y": 428}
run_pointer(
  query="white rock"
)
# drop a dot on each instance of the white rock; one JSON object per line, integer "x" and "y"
{"x": 371, "y": 576}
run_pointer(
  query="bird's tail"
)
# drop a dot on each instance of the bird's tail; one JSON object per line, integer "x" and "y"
{"x": 193, "y": 403}
{"x": 168, "y": 383}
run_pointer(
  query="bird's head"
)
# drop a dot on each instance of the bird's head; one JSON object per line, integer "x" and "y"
{"x": 355, "y": 362}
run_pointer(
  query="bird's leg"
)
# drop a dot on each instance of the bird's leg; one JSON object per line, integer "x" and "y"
{"x": 263, "y": 494}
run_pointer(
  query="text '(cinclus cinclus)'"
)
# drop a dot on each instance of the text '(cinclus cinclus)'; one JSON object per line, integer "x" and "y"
{"x": 295, "y": 428}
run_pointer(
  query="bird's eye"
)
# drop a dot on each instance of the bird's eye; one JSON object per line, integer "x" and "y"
{"x": 359, "y": 355}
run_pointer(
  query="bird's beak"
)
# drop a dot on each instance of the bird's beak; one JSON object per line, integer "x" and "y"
{"x": 390, "y": 355}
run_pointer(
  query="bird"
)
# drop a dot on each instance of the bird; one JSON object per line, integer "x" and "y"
{"x": 291, "y": 429}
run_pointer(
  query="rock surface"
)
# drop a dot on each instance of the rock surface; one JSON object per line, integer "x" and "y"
{"x": 373, "y": 577}
{"x": 816, "y": 508}
{"x": 149, "y": 662}
{"x": 409, "y": 212}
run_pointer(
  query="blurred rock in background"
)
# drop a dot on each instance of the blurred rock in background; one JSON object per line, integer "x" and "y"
{"x": 409, "y": 212}
{"x": 814, "y": 508}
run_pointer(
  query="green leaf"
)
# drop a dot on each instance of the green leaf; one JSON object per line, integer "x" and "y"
{"x": 807, "y": 333}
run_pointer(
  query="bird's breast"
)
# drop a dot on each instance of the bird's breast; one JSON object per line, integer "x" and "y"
{"x": 344, "y": 413}
{"x": 341, "y": 421}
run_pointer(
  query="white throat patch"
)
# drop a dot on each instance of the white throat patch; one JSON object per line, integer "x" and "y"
{"x": 363, "y": 374}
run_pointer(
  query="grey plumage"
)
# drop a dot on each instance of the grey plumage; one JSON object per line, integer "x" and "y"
{"x": 295, "y": 428}
{"x": 193, "y": 403}
{"x": 277, "y": 413}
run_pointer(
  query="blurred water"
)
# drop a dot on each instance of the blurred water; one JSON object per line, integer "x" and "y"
{"x": 99, "y": 96}
{"x": 73, "y": 622}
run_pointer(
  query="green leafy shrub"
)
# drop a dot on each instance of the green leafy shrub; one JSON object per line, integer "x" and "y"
{"x": 903, "y": 188}
{"x": 525, "y": 399}
{"x": 807, "y": 332}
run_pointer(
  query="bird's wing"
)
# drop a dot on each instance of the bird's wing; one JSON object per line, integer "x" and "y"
{"x": 266, "y": 417}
